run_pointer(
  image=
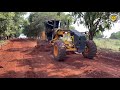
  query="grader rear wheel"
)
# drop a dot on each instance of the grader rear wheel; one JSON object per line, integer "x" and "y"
{"x": 90, "y": 49}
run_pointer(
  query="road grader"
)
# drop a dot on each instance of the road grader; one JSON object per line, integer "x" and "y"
{"x": 65, "y": 40}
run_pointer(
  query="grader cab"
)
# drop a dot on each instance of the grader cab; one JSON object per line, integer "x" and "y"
{"x": 65, "y": 40}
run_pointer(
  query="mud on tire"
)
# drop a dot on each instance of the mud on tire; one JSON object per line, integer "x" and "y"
{"x": 91, "y": 49}
{"x": 59, "y": 50}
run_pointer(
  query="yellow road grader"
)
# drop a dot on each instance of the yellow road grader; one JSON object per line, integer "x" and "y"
{"x": 65, "y": 40}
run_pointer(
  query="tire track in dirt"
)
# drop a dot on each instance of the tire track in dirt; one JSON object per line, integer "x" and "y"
{"x": 59, "y": 69}
{"x": 8, "y": 55}
{"x": 21, "y": 59}
{"x": 103, "y": 69}
{"x": 28, "y": 62}
{"x": 12, "y": 54}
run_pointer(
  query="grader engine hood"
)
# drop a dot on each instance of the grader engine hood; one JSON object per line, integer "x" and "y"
{"x": 79, "y": 40}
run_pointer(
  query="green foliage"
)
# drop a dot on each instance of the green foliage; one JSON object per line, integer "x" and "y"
{"x": 94, "y": 21}
{"x": 99, "y": 35}
{"x": 11, "y": 23}
{"x": 115, "y": 35}
{"x": 72, "y": 28}
{"x": 36, "y": 22}
{"x": 3, "y": 42}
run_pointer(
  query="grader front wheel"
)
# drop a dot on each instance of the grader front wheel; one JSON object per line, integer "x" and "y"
{"x": 59, "y": 51}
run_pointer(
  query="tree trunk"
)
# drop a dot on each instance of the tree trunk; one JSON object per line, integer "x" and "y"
{"x": 91, "y": 35}
{"x": 68, "y": 25}
{"x": 7, "y": 37}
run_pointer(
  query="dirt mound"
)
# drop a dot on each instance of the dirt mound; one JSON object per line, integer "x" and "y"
{"x": 43, "y": 46}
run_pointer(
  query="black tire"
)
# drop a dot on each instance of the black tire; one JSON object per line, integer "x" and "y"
{"x": 92, "y": 49}
{"x": 59, "y": 50}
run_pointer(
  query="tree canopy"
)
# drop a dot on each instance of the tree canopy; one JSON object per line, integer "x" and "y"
{"x": 115, "y": 35}
{"x": 36, "y": 22}
{"x": 95, "y": 21}
{"x": 99, "y": 35}
{"x": 11, "y": 23}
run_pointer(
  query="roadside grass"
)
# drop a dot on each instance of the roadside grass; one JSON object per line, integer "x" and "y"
{"x": 3, "y": 42}
{"x": 106, "y": 43}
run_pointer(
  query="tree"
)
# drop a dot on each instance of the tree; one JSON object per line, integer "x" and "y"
{"x": 37, "y": 19}
{"x": 10, "y": 23}
{"x": 6, "y": 23}
{"x": 99, "y": 35}
{"x": 18, "y": 22}
{"x": 72, "y": 28}
{"x": 115, "y": 35}
{"x": 94, "y": 21}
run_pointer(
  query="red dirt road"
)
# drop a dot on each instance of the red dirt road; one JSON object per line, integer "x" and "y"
{"x": 20, "y": 59}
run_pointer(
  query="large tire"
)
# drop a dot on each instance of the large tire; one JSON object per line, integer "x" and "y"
{"x": 59, "y": 50}
{"x": 90, "y": 49}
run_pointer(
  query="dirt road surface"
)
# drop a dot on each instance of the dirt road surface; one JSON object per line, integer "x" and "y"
{"x": 21, "y": 59}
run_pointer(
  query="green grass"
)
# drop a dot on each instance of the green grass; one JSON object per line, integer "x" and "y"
{"x": 112, "y": 44}
{"x": 2, "y": 42}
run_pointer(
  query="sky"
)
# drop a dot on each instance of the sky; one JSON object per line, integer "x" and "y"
{"x": 25, "y": 16}
{"x": 106, "y": 33}
{"x": 81, "y": 28}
